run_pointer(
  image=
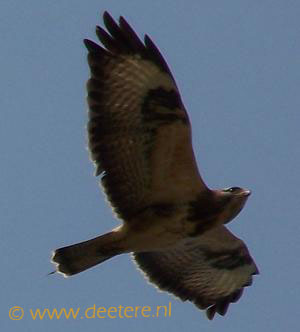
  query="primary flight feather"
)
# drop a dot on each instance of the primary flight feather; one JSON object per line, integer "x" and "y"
{"x": 140, "y": 141}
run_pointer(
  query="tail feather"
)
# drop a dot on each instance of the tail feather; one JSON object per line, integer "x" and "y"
{"x": 78, "y": 257}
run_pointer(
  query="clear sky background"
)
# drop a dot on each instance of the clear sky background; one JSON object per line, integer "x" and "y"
{"x": 237, "y": 64}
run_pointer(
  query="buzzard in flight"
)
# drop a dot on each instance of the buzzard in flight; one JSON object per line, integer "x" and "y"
{"x": 140, "y": 141}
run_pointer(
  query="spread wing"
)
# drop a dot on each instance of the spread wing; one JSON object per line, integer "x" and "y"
{"x": 210, "y": 271}
{"x": 139, "y": 132}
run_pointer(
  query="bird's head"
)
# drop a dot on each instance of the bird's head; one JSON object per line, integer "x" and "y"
{"x": 235, "y": 198}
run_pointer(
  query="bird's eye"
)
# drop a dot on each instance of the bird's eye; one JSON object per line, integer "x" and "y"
{"x": 232, "y": 189}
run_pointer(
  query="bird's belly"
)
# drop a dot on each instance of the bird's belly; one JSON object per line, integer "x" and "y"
{"x": 160, "y": 233}
{"x": 163, "y": 226}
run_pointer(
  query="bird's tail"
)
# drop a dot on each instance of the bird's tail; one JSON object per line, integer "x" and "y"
{"x": 81, "y": 256}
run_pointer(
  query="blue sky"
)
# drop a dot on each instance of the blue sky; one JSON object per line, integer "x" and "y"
{"x": 237, "y": 66}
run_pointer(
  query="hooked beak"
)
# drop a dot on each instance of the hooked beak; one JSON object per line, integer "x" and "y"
{"x": 246, "y": 193}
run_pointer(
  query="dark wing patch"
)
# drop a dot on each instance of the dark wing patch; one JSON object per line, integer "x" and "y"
{"x": 209, "y": 273}
{"x": 138, "y": 130}
{"x": 156, "y": 104}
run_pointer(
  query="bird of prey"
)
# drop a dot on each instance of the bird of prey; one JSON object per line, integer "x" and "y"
{"x": 139, "y": 137}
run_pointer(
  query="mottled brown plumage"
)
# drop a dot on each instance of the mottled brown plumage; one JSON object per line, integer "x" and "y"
{"x": 140, "y": 141}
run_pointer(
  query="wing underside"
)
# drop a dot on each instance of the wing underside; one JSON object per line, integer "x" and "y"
{"x": 211, "y": 271}
{"x": 139, "y": 132}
